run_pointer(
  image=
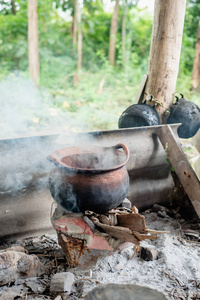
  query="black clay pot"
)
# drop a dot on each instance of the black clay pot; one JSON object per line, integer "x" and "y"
{"x": 89, "y": 178}
{"x": 138, "y": 115}
{"x": 187, "y": 113}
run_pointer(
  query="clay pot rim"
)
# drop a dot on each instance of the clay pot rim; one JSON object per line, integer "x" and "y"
{"x": 57, "y": 155}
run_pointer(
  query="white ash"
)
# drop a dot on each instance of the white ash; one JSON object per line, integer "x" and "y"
{"x": 176, "y": 273}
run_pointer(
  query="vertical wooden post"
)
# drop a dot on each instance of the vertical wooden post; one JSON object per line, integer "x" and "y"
{"x": 124, "y": 32}
{"x": 74, "y": 26}
{"x": 113, "y": 31}
{"x": 196, "y": 65}
{"x": 165, "y": 52}
{"x": 79, "y": 44}
{"x": 13, "y": 7}
{"x": 33, "y": 51}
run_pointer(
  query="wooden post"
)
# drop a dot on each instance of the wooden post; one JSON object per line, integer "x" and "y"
{"x": 74, "y": 23}
{"x": 33, "y": 51}
{"x": 113, "y": 31}
{"x": 79, "y": 44}
{"x": 165, "y": 52}
{"x": 124, "y": 32}
{"x": 196, "y": 65}
{"x": 13, "y": 7}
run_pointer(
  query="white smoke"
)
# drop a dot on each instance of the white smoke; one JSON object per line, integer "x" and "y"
{"x": 25, "y": 110}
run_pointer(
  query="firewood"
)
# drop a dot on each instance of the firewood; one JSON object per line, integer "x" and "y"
{"x": 113, "y": 219}
{"x": 134, "y": 222}
{"x": 135, "y": 210}
{"x": 136, "y": 250}
{"x": 155, "y": 231}
{"x": 121, "y": 233}
{"x": 93, "y": 219}
{"x": 123, "y": 209}
{"x": 142, "y": 237}
{"x": 105, "y": 220}
{"x": 130, "y": 226}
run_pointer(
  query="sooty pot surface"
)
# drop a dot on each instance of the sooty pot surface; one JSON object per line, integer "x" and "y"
{"x": 138, "y": 115}
{"x": 86, "y": 178}
{"x": 187, "y": 113}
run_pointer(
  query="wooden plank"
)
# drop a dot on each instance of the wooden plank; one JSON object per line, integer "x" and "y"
{"x": 121, "y": 233}
{"x": 140, "y": 94}
{"x": 134, "y": 222}
{"x": 181, "y": 165}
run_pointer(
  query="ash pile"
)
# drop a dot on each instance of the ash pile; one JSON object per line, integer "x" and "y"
{"x": 161, "y": 261}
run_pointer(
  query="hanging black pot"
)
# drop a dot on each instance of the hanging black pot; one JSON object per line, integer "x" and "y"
{"x": 138, "y": 115}
{"x": 187, "y": 113}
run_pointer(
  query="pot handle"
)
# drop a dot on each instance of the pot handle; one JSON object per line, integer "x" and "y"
{"x": 122, "y": 148}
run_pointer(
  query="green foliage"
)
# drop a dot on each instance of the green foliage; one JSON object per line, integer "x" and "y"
{"x": 192, "y": 17}
{"x": 13, "y": 41}
{"x": 98, "y": 107}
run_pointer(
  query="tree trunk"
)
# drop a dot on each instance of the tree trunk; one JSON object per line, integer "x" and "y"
{"x": 113, "y": 31}
{"x": 79, "y": 63}
{"x": 74, "y": 22}
{"x": 33, "y": 50}
{"x": 196, "y": 65}
{"x": 124, "y": 32}
{"x": 13, "y": 7}
{"x": 165, "y": 52}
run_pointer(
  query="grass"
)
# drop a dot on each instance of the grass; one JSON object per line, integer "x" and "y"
{"x": 93, "y": 100}
{"x": 98, "y": 97}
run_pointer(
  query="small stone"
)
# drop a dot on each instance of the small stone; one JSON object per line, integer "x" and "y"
{"x": 14, "y": 292}
{"x": 35, "y": 285}
{"x": 62, "y": 282}
{"x": 119, "y": 266}
{"x": 84, "y": 286}
{"x": 126, "y": 203}
{"x": 149, "y": 253}
{"x": 58, "y": 298}
{"x": 15, "y": 265}
{"x": 123, "y": 291}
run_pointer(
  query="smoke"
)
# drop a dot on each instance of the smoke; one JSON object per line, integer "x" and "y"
{"x": 43, "y": 128}
{"x": 29, "y": 112}
{"x": 25, "y": 110}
